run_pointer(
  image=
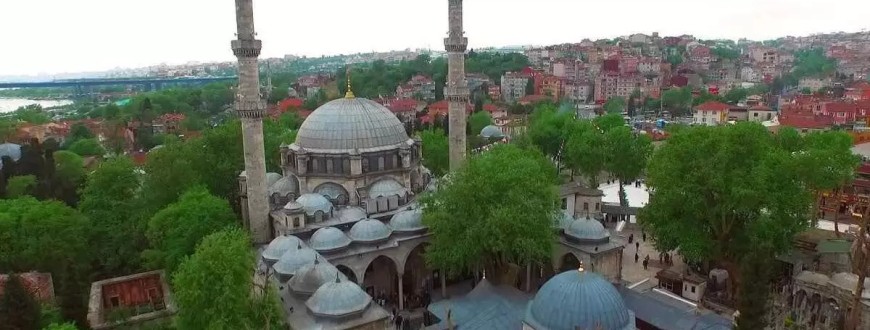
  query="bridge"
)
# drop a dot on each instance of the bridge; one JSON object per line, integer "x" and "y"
{"x": 84, "y": 87}
{"x": 119, "y": 81}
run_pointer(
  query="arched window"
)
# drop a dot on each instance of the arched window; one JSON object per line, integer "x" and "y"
{"x": 381, "y": 163}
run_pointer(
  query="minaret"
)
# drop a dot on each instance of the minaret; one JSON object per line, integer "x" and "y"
{"x": 456, "y": 91}
{"x": 251, "y": 108}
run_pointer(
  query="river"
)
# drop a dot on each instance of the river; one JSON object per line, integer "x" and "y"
{"x": 10, "y": 104}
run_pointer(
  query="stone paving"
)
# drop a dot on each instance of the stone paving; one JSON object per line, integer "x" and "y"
{"x": 633, "y": 272}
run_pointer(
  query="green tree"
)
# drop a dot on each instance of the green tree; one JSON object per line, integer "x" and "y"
{"x": 20, "y": 186}
{"x": 201, "y": 295}
{"x": 477, "y": 121}
{"x": 626, "y": 156}
{"x": 549, "y": 129}
{"x": 109, "y": 199}
{"x": 8, "y": 127}
{"x": 48, "y": 236}
{"x": 585, "y": 152}
{"x": 677, "y": 100}
{"x": 720, "y": 191}
{"x": 290, "y": 120}
{"x": 87, "y": 147}
{"x": 169, "y": 171}
{"x": 78, "y": 131}
{"x": 69, "y": 174}
{"x": 615, "y": 105}
{"x": 493, "y": 213}
{"x": 736, "y": 94}
{"x": 18, "y": 308}
{"x": 436, "y": 151}
{"x": 753, "y": 303}
{"x": 174, "y": 231}
{"x": 726, "y": 53}
{"x": 826, "y": 163}
{"x": 33, "y": 114}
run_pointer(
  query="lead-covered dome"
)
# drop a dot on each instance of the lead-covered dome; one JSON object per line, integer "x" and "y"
{"x": 284, "y": 185}
{"x": 563, "y": 220}
{"x": 338, "y": 299}
{"x": 271, "y": 178}
{"x": 587, "y": 230}
{"x": 310, "y": 277}
{"x": 387, "y": 188}
{"x": 312, "y": 203}
{"x": 491, "y": 131}
{"x": 370, "y": 231}
{"x": 328, "y": 239}
{"x": 294, "y": 259}
{"x": 351, "y": 125}
{"x": 408, "y": 221}
{"x": 279, "y": 246}
{"x": 578, "y": 300}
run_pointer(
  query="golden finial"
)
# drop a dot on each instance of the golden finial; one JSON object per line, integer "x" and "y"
{"x": 349, "y": 94}
{"x": 581, "y": 269}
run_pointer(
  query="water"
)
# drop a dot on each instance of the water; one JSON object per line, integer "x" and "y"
{"x": 7, "y": 105}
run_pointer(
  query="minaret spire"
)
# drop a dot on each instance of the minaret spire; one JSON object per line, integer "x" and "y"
{"x": 349, "y": 93}
{"x": 456, "y": 91}
{"x": 251, "y": 108}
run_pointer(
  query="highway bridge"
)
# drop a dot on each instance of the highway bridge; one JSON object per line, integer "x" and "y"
{"x": 148, "y": 83}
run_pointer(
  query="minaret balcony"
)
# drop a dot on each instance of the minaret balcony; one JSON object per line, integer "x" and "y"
{"x": 246, "y": 47}
{"x": 251, "y": 109}
{"x": 456, "y": 44}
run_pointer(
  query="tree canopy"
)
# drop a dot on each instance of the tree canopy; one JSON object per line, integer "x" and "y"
{"x": 109, "y": 199}
{"x": 436, "y": 151}
{"x": 615, "y": 105}
{"x": 495, "y": 211}
{"x": 174, "y": 231}
{"x": 48, "y": 236}
{"x": 224, "y": 302}
{"x": 723, "y": 192}
{"x": 87, "y": 147}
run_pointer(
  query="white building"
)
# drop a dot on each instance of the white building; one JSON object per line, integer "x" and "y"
{"x": 513, "y": 86}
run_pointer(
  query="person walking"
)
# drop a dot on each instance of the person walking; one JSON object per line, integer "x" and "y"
{"x": 636, "y": 257}
{"x": 644, "y": 236}
{"x": 637, "y": 245}
{"x": 630, "y": 238}
{"x": 645, "y": 264}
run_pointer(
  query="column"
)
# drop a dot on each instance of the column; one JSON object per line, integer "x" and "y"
{"x": 443, "y": 285}
{"x": 401, "y": 293}
{"x": 529, "y": 277}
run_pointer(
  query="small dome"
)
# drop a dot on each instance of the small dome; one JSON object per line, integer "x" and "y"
{"x": 328, "y": 239}
{"x": 407, "y": 221}
{"x": 271, "y": 178}
{"x": 310, "y": 277}
{"x": 284, "y": 185}
{"x": 279, "y": 246}
{"x": 293, "y": 206}
{"x": 294, "y": 259}
{"x": 338, "y": 299}
{"x": 370, "y": 231}
{"x": 11, "y": 150}
{"x": 312, "y": 203}
{"x": 386, "y": 188}
{"x": 563, "y": 220}
{"x": 587, "y": 230}
{"x": 352, "y": 213}
{"x": 578, "y": 300}
{"x": 348, "y": 124}
{"x": 491, "y": 131}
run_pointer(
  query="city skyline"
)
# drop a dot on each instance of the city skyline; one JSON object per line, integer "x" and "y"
{"x": 108, "y": 34}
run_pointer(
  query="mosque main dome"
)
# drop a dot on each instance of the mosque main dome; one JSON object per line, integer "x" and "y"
{"x": 578, "y": 300}
{"x": 351, "y": 124}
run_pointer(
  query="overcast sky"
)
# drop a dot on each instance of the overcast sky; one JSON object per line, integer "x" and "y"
{"x": 50, "y": 36}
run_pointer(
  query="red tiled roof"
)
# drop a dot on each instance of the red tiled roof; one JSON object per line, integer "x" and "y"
{"x": 489, "y": 107}
{"x": 535, "y": 98}
{"x": 401, "y": 105}
{"x": 289, "y": 103}
{"x": 712, "y": 106}
{"x": 441, "y": 108}
{"x": 171, "y": 117}
{"x": 804, "y": 121}
{"x": 40, "y": 285}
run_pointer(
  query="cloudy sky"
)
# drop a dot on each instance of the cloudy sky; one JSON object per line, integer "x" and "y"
{"x": 51, "y": 36}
